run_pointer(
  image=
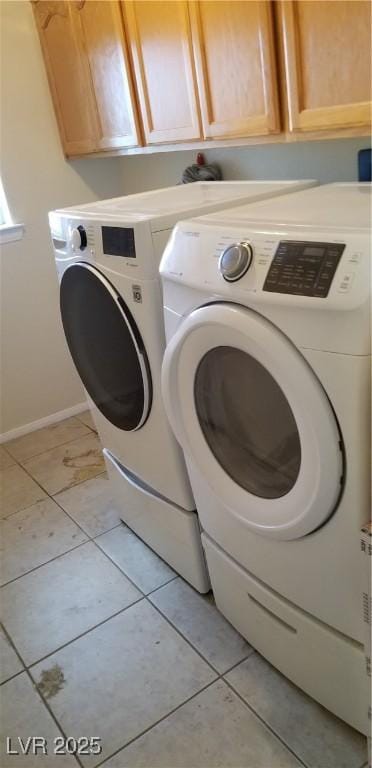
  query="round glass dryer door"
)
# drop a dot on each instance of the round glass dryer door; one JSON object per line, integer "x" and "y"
{"x": 254, "y": 420}
{"x": 247, "y": 422}
{"x": 106, "y": 346}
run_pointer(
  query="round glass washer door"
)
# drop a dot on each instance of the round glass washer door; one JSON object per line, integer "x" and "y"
{"x": 106, "y": 346}
{"x": 254, "y": 420}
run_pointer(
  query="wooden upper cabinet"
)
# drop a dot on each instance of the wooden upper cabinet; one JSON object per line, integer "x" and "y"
{"x": 103, "y": 36}
{"x": 235, "y": 63}
{"x": 160, "y": 41}
{"x": 327, "y": 51}
{"x": 68, "y": 74}
{"x": 86, "y": 59}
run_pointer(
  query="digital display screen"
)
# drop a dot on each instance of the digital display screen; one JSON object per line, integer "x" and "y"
{"x": 311, "y": 251}
{"x": 118, "y": 241}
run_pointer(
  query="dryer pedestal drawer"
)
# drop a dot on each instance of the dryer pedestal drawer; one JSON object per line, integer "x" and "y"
{"x": 321, "y": 661}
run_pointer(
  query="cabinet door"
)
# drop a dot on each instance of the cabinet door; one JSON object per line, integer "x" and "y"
{"x": 327, "y": 50}
{"x": 68, "y": 74}
{"x": 160, "y": 40}
{"x": 235, "y": 62}
{"x": 103, "y": 34}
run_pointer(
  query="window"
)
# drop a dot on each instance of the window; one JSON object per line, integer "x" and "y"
{"x": 8, "y": 230}
{"x": 5, "y": 217}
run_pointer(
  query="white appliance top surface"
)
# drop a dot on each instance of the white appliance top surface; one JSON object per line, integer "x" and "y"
{"x": 343, "y": 206}
{"x": 184, "y": 199}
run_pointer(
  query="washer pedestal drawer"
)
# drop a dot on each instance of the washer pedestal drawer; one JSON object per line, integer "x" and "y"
{"x": 326, "y": 664}
{"x": 172, "y": 532}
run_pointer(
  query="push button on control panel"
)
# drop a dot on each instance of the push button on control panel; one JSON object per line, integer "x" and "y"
{"x": 355, "y": 258}
{"x": 346, "y": 282}
{"x": 303, "y": 268}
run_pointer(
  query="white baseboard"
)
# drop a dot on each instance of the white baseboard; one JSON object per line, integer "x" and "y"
{"x": 46, "y": 421}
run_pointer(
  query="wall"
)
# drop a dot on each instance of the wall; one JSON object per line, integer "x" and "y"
{"x": 323, "y": 160}
{"x": 37, "y": 375}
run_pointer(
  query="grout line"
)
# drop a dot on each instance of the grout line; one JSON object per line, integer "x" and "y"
{"x": 16, "y": 674}
{"x": 157, "y": 722}
{"x": 230, "y": 669}
{"x": 69, "y": 487}
{"x": 264, "y": 722}
{"x": 56, "y": 501}
{"x": 50, "y": 496}
{"x": 9, "y": 455}
{"x": 118, "y": 568}
{"x": 47, "y": 450}
{"x": 176, "y": 576}
{"x": 23, "y": 509}
{"x": 88, "y": 539}
{"x": 78, "y": 416}
{"x": 159, "y": 611}
{"x": 12, "y": 645}
{"x": 37, "y": 567}
{"x": 185, "y": 639}
{"x": 121, "y": 522}
{"x": 98, "y": 535}
{"x": 62, "y": 490}
{"x": 36, "y": 690}
{"x": 82, "y": 634}
{"x": 144, "y": 595}
{"x": 122, "y": 571}
{"x": 219, "y": 676}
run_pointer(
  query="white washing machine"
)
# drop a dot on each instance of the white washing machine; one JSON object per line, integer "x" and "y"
{"x": 107, "y": 255}
{"x": 266, "y": 381}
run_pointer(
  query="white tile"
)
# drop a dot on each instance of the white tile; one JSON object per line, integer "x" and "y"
{"x": 17, "y": 490}
{"x": 213, "y": 730}
{"x": 135, "y": 558}
{"x": 123, "y": 676}
{"x": 67, "y": 465}
{"x": 315, "y": 735}
{"x": 44, "y": 439}
{"x": 33, "y": 536}
{"x": 23, "y": 714}
{"x": 9, "y": 662}
{"x": 92, "y": 505}
{"x": 87, "y": 419}
{"x": 6, "y": 460}
{"x": 203, "y": 625}
{"x": 54, "y": 604}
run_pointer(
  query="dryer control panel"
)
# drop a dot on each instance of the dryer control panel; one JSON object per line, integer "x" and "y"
{"x": 303, "y": 268}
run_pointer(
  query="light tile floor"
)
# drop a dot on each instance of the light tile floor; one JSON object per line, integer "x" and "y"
{"x": 100, "y": 638}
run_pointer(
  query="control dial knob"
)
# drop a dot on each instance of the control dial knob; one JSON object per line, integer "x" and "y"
{"x": 78, "y": 238}
{"x": 235, "y": 260}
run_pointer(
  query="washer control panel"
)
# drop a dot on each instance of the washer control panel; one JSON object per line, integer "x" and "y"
{"x": 303, "y": 268}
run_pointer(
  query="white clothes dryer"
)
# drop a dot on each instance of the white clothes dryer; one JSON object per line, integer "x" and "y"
{"x": 267, "y": 385}
{"x": 107, "y": 255}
